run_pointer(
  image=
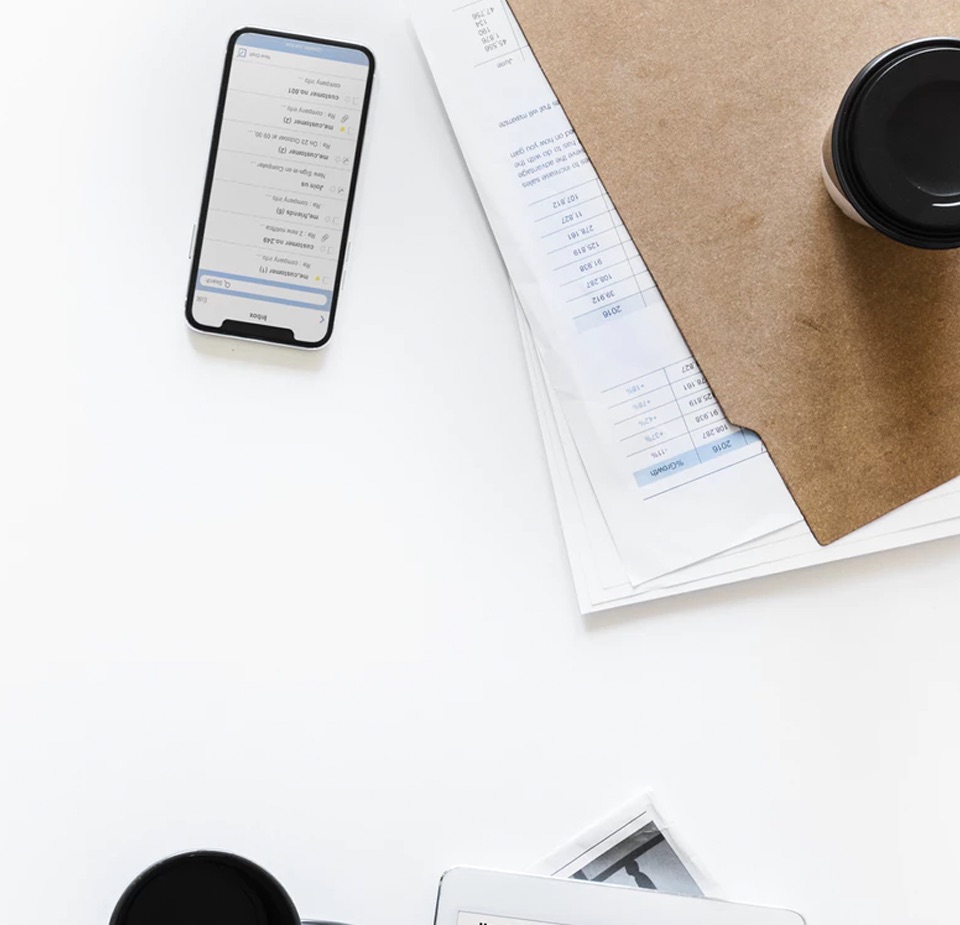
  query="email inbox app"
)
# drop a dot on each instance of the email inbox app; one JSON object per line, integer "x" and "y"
{"x": 281, "y": 184}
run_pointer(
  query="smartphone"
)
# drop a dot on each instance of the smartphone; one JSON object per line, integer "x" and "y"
{"x": 268, "y": 252}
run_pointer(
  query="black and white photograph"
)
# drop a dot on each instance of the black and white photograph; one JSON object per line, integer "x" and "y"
{"x": 644, "y": 860}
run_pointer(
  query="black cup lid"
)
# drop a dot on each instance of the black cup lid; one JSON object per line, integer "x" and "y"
{"x": 896, "y": 143}
{"x": 205, "y": 888}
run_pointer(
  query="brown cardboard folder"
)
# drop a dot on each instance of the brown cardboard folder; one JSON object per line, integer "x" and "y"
{"x": 705, "y": 120}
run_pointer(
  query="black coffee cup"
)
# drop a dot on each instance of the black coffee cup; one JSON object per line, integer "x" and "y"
{"x": 206, "y": 888}
{"x": 891, "y": 159}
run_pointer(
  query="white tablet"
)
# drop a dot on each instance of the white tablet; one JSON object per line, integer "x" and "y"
{"x": 485, "y": 897}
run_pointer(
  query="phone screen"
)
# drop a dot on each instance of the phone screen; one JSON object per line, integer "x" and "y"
{"x": 272, "y": 236}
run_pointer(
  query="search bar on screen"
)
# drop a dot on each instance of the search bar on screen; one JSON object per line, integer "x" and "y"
{"x": 260, "y": 290}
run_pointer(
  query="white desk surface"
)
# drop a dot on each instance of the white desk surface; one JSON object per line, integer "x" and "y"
{"x": 316, "y": 609}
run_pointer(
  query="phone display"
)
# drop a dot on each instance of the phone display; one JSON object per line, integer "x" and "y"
{"x": 272, "y": 238}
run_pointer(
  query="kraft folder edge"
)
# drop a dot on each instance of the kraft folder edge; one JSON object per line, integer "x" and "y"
{"x": 705, "y": 120}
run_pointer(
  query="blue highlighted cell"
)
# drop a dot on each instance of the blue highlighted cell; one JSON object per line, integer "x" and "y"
{"x": 600, "y": 316}
{"x": 692, "y": 458}
{"x": 667, "y": 468}
{"x": 723, "y": 445}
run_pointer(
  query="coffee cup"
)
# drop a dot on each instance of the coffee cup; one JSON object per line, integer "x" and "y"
{"x": 207, "y": 888}
{"x": 891, "y": 159}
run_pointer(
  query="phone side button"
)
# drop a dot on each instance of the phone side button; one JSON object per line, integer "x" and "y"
{"x": 346, "y": 257}
{"x": 193, "y": 241}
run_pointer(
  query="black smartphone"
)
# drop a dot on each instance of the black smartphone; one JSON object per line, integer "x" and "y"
{"x": 272, "y": 239}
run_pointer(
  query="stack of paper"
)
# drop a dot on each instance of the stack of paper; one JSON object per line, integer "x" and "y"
{"x": 658, "y": 493}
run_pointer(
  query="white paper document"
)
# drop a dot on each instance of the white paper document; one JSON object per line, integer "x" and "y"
{"x": 598, "y": 573}
{"x": 658, "y": 493}
{"x": 675, "y": 481}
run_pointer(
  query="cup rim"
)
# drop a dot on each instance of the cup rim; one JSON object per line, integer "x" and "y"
{"x": 871, "y": 211}
{"x": 221, "y": 857}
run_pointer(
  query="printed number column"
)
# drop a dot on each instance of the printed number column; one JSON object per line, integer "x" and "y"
{"x": 712, "y": 434}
